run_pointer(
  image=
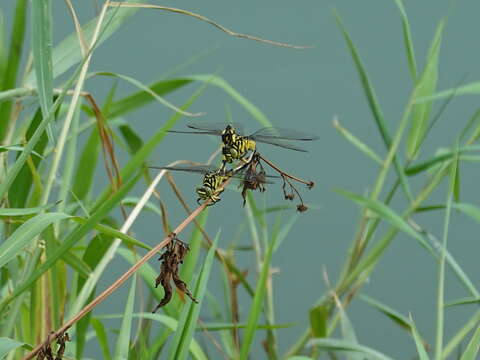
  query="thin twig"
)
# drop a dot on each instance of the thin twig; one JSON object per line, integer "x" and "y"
{"x": 211, "y": 22}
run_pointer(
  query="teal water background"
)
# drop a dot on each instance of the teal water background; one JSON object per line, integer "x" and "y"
{"x": 306, "y": 89}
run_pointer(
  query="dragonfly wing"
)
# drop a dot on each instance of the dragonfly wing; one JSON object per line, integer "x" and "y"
{"x": 280, "y": 143}
{"x": 202, "y": 169}
{"x": 283, "y": 134}
{"x": 215, "y": 127}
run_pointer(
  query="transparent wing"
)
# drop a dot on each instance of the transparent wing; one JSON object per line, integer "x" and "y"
{"x": 201, "y": 169}
{"x": 215, "y": 127}
{"x": 280, "y": 143}
{"x": 282, "y": 134}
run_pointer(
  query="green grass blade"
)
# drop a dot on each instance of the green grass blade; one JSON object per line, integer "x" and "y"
{"x": 385, "y": 213}
{"x": 3, "y": 49}
{"x": 257, "y": 302}
{"x": 394, "y": 315}
{"x": 24, "y": 211}
{"x": 142, "y": 98}
{"x": 189, "y": 317}
{"x": 425, "y": 86}
{"x": 87, "y": 164}
{"x": 318, "y": 316}
{"x": 20, "y": 188}
{"x": 468, "y": 89}
{"x": 463, "y": 301}
{"x": 102, "y": 338}
{"x": 441, "y": 266}
{"x": 422, "y": 353}
{"x": 122, "y": 348}
{"x": 25, "y": 234}
{"x": 407, "y": 40}
{"x": 42, "y": 38}
{"x": 373, "y": 103}
{"x": 342, "y": 345}
{"x": 146, "y": 89}
{"x": 9, "y": 77}
{"x": 360, "y": 145}
{"x": 7, "y": 345}
{"x": 473, "y": 347}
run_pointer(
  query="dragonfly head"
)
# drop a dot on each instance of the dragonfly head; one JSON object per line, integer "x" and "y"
{"x": 229, "y": 135}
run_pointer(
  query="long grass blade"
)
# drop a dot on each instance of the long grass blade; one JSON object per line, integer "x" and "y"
{"x": 25, "y": 234}
{"x": 407, "y": 40}
{"x": 101, "y": 337}
{"x": 441, "y": 266}
{"x": 425, "y": 86}
{"x": 374, "y": 104}
{"x": 9, "y": 77}
{"x": 422, "y": 353}
{"x": 122, "y": 348}
{"x": 342, "y": 345}
{"x": 471, "y": 352}
{"x": 42, "y": 39}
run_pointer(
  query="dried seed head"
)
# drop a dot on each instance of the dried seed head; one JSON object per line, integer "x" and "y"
{"x": 301, "y": 208}
{"x": 171, "y": 259}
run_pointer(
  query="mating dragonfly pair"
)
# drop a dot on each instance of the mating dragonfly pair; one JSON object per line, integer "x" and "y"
{"x": 237, "y": 146}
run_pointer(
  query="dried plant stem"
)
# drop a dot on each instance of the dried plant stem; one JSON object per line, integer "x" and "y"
{"x": 106, "y": 293}
{"x": 211, "y": 22}
{"x": 310, "y": 184}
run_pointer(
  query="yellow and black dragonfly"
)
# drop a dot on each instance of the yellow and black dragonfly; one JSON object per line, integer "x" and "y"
{"x": 236, "y": 144}
{"x": 214, "y": 177}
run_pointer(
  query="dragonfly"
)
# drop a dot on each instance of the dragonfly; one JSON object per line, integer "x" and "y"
{"x": 236, "y": 144}
{"x": 214, "y": 177}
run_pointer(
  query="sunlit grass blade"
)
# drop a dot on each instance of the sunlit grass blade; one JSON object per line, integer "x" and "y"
{"x": 146, "y": 89}
{"x": 141, "y": 98}
{"x": 422, "y": 353}
{"x": 24, "y": 211}
{"x": 373, "y": 103}
{"x": 122, "y": 347}
{"x": 471, "y": 352}
{"x": 102, "y": 338}
{"x": 188, "y": 319}
{"x": 394, "y": 315}
{"x": 7, "y": 345}
{"x": 407, "y": 40}
{"x": 11, "y": 68}
{"x": 357, "y": 142}
{"x": 463, "y": 301}
{"x": 342, "y": 345}
{"x": 42, "y": 41}
{"x": 25, "y": 234}
{"x": 425, "y": 86}
{"x": 437, "y": 159}
{"x": 441, "y": 267}
{"x": 385, "y": 213}
{"x": 258, "y": 300}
